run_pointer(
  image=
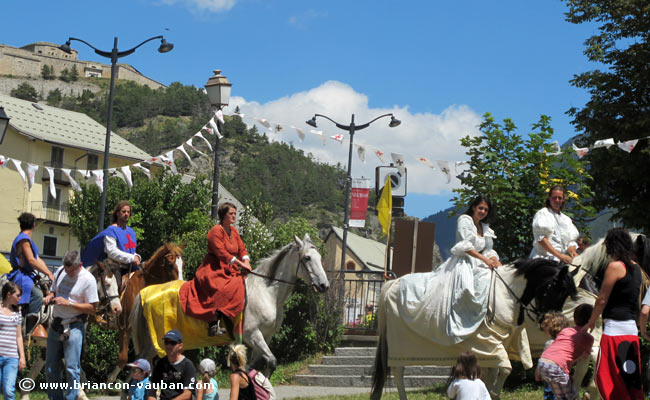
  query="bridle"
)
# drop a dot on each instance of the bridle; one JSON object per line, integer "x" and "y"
{"x": 301, "y": 263}
{"x": 105, "y": 301}
{"x": 527, "y": 308}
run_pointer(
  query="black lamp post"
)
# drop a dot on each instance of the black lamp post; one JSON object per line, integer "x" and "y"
{"x": 218, "y": 90}
{"x": 4, "y": 124}
{"x": 351, "y": 129}
{"x": 114, "y": 55}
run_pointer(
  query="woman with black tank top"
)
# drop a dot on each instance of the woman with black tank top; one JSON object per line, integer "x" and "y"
{"x": 618, "y": 373}
{"x": 240, "y": 385}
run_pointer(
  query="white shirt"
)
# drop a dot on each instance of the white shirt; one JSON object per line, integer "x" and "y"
{"x": 82, "y": 289}
{"x": 114, "y": 253}
{"x": 466, "y": 389}
{"x": 557, "y": 228}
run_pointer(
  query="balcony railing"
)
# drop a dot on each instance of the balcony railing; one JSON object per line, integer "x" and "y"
{"x": 51, "y": 212}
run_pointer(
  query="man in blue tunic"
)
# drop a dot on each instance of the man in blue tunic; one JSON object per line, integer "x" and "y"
{"x": 26, "y": 264}
{"x": 117, "y": 242}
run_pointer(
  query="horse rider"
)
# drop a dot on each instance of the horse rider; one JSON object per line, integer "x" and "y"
{"x": 218, "y": 288}
{"x": 554, "y": 233}
{"x": 117, "y": 242}
{"x": 26, "y": 264}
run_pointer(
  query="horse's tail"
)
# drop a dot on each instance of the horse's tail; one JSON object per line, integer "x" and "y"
{"x": 380, "y": 369}
{"x": 138, "y": 326}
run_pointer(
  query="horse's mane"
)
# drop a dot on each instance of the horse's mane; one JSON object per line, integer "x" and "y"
{"x": 166, "y": 248}
{"x": 548, "y": 282}
{"x": 269, "y": 265}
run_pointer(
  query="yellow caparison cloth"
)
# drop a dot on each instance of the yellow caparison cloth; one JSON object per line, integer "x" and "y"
{"x": 163, "y": 312}
{"x": 5, "y": 267}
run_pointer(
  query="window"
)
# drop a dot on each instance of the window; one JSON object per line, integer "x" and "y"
{"x": 51, "y": 201}
{"x": 49, "y": 245}
{"x": 93, "y": 160}
{"x": 350, "y": 265}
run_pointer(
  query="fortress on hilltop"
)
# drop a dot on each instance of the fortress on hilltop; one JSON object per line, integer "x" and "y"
{"x": 27, "y": 61}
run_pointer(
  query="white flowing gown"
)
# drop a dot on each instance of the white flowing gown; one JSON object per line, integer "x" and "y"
{"x": 557, "y": 228}
{"x": 448, "y": 304}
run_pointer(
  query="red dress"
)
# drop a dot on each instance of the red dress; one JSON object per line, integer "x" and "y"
{"x": 217, "y": 284}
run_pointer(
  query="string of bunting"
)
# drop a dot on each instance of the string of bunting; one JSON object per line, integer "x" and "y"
{"x": 167, "y": 159}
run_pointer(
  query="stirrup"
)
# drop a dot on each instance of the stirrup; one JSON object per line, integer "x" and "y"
{"x": 215, "y": 328}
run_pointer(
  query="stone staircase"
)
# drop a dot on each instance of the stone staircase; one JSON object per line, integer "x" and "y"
{"x": 352, "y": 367}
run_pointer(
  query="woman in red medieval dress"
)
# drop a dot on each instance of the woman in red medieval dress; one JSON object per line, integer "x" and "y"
{"x": 219, "y": 288}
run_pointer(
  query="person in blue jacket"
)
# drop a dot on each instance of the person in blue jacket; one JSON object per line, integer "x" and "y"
{"x": 117, "y": 242}
{"x": 26, "y": 264}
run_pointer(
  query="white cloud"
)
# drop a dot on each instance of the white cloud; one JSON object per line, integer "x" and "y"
{"x": 435, "y": 136}
{"x": 306, "y": 17}
{"x": 204, "y": 5}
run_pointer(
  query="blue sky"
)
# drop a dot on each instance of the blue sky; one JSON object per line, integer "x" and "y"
{"x": 437, "y": 65}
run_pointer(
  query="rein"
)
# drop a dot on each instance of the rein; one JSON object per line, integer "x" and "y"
{"x": 301, "y": 263}
{"x": 523, "y": 306}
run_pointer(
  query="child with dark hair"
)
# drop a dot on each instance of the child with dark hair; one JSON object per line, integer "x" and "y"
{"x": 467, "y": 383}
{"x": 570, "y": 345}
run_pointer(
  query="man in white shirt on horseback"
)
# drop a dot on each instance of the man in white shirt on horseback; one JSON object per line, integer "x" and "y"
{"x": 554, "y": 233}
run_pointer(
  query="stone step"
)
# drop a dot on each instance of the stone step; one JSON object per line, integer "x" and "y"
{"x": 365, "y": 381}
{"x": 366, "y": 370}
{"x": 348, "y": 360}
{"x": 355, "y": 351}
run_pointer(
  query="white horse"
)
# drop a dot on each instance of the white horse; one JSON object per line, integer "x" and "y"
{"x": 500, "y": 336}
{"x": 267, "y": 291}
{"x": 109, "y": 301}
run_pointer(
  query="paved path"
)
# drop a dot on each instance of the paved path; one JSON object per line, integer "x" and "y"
{"x": 290, "y": 392}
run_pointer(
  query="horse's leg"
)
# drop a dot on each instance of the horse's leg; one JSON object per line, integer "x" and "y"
{"x": 398, "y": 375}
{"x": 123, "y": 357}
{"x": 495, "y": 377}
{"x": 261, "y": 355}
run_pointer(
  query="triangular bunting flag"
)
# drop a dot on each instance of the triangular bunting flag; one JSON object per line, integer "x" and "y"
{"x": 399, "y": 161}
{"x": 3, "y": 162}
{"x": 98, "y": 174}
{"x": 300, "y": 132}
{"x": 126, "y": 171}
{"x": 219, "y": 115}
{"x": 460, "y": 164}
{"x": 426, "y": 162}
{"x": 19, "y": 168}
{"x": 361, "y": 152}
{"x": 198, "y": 134}
{"x": 191, "y": 145}
{"x": 31, "y": 174}
{"x": 338, "y": 138}
{"x": 182, "y": 150}
{"x": 215, "y": 129}
{"x": 73, "y": 183}
{"x": 50, "y": 173}
{"x": 580, "y": 151}
{"x": 380, "y": 156}
{"x": 604, "y": 143}
{"x": 263, "y": 121}
{"x": 444, "y": 168}
{"x": 143, "y": 169}
{"x": 628, "y": 146}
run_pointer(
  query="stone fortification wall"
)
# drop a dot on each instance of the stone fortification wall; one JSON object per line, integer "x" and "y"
{"x": 28, "y": 62}
{"x": 43, "y": 87}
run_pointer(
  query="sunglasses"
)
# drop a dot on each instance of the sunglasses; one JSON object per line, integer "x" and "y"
{"x": 170, "y": 342}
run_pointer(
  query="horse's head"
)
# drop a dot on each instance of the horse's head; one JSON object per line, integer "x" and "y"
{"x": 166, "y": 264}
{"x": 548, "y": 282}
{"x": 108, "y": 289}
{"x": 310, "y": 267}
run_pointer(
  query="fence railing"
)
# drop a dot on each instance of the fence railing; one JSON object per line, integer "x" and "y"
{"x": 51, "y": 212}
{"x": 361, "y": 300}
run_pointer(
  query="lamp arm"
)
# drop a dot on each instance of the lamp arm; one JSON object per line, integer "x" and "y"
{"x": 340, "y": 126}
{"x": 100, "y": 52}
{"x": 368, "y": 123}
{"x": 130, "y": 51}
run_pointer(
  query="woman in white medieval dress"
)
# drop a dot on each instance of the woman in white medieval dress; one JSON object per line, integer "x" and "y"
{"x": 555, "y": 235}
{"x": 449, "y": 303}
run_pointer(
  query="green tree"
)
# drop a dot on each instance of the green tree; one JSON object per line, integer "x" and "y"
{"x": 74, "y": 74}
{"x": 25, "y": 91}
{"x": 47, "y": 72}
{"x": 65, "y": 75}
{"x": 618, "y": 107}
{"x": 516, "y": 174}
{"x": 54, "y": 98}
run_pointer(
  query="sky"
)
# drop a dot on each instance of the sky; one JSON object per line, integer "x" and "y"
{"x": 438, "y": 66}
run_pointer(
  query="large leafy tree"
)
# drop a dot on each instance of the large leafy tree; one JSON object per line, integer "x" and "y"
{"x": 516, "y": 174}
{"x": 619, "y": 106}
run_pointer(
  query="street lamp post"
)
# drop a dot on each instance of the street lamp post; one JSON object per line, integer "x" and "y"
{"x": 218, "y": 90}
{"x": 114, "y": 55}
{"x": 352, "y": 128}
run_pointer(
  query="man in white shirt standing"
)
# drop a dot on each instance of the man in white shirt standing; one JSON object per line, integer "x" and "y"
{"x": 554, "y": 233}
{"x": 74, "y": 295}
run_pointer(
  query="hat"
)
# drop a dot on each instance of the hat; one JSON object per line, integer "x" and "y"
{"x": 207, "y": 366}
{"x": 140, "y": 363}
{"x": 174, "y": 336}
